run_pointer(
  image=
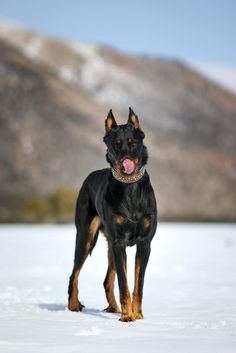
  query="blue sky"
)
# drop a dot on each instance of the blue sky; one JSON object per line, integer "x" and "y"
{"x": 194, "y": 31}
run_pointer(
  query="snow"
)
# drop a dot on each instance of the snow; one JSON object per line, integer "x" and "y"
{"x": 31, "y": 44}
{"x": 67, "y": 73}
{"x": 189, "y": 295}
{"x": 33, "y": 48}
{"x": 109, "y": 83}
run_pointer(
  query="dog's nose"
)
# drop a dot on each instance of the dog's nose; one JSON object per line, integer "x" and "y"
{"x": 136, "y": 217}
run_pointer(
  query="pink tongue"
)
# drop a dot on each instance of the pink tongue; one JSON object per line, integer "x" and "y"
{"x": 128, "y": 166}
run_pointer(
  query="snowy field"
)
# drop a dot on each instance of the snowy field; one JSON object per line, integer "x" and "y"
{"x": 189, "y": 294}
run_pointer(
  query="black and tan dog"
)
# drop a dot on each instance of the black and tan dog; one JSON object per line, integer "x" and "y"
{"x": 120, "y": 202}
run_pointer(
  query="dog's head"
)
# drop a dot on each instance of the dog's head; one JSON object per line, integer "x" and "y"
{"x": 126, "y": 152}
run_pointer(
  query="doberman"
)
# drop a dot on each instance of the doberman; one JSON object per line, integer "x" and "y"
{"x": 120, "y": 202}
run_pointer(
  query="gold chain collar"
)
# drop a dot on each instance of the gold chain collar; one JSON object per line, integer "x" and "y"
{"x": 129, "y": 178}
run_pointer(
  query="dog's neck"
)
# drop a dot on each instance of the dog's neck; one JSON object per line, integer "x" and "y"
{"x": 128, "y": 179}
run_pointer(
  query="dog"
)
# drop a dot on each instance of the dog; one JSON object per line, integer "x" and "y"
{"x": 120, "y": 202}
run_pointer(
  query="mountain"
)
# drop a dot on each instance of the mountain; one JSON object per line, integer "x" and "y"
{"x": 54, "y": 98}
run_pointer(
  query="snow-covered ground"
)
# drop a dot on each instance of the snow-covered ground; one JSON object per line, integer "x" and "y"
{"x": 189, "y": 295}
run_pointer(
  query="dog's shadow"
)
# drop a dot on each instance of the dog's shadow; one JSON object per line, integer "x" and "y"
{"x": 86, "y": 311}
{"x": 53, "y": 307}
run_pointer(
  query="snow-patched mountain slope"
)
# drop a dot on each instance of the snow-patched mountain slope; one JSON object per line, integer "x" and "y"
{"x": 54, "y": 96}
{"x": 189, "y": 295}
{"x": 78, "y": 63}
{"x": 166, "y": 92}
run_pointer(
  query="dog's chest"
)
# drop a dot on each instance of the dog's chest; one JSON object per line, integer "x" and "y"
{"x": 132, "y": 203}
{"x": 132, "y": 217}
{"x": 130, "y": 232}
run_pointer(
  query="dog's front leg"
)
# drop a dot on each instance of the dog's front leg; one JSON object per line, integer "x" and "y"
{"x": 121, "y": 269}
{"x": 141, "y": 260}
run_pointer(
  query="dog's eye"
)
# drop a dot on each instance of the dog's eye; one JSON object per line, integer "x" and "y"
{"x": 118, "y": 144}
{"x": 131, "y": 143}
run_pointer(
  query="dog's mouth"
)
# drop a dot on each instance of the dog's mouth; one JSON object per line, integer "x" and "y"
{"x": 128, "y": 166}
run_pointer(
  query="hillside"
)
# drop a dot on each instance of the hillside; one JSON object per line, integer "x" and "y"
{"x": 54, "y": 97}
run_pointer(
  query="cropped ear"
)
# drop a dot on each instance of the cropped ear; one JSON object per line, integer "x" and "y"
{"x": 110, "y": 122}
{"x": 133, "y": 119}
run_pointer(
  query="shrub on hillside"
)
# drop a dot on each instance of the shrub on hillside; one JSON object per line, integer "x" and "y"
{"x": 62, "y": 202}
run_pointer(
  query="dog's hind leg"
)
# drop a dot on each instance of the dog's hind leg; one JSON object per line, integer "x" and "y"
{"x": 73, "y": 301}
{"x": 87, "y": 224}
{"x": 109, "y": 284}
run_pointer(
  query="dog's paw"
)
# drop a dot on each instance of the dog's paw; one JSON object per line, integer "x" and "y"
{"x": 138, "y": 316}
{"x": 127, "y": 317}
{"x": 112, "y": 309}
{"x": 75, "y": 305}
